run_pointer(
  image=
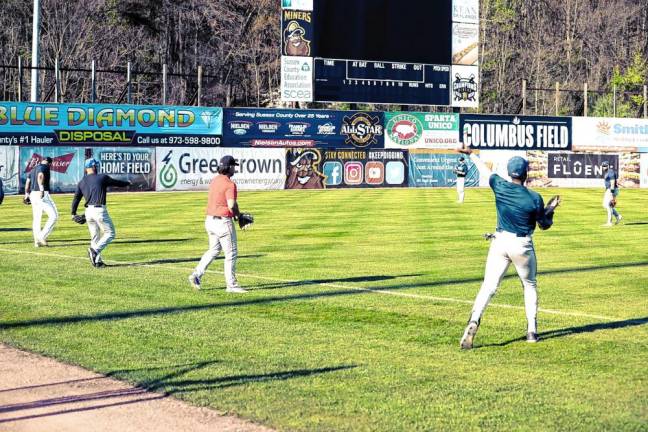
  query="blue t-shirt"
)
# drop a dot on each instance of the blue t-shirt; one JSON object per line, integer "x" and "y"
{"x": 40, "y": 168}
{"x": 518, "y": 209}
{"x": 461, "y": 169}
{"x": 610, "y": 179}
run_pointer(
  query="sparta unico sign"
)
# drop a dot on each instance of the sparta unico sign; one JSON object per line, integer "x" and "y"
{"x": 361, "y": 129}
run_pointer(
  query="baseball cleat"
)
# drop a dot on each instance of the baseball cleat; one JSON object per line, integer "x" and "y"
{"x": 618, "y": 220}
{"x": 609, "y": 224}
{"x": 236, "y": 290}
{"x": 92, "y": 254}
{"x": 532, "y": 337}
{"x": 467, "y": 339}
{"x": 194, "y": 281}
{"x": 100, "y": 264}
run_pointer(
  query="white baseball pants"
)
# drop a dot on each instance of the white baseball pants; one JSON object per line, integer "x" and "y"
{"x": 46, "y": 204}
{"x": 507, "y": 248}
{"x": 461, "y": 181}
{"x": 222, "y": 237}
{"x": 608, "y": 196}
{"x": 102, "y": 230}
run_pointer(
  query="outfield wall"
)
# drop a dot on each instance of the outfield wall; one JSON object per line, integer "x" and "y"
{"x": 164, "y": 148}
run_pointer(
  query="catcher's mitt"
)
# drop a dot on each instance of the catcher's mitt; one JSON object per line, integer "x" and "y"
{"x": 552, "y": 204}
{"x": 80, "y": 219}
{"x": 613, "y": 202}
{"x": 26, "y": 201}
{"x": 245, "y": 220}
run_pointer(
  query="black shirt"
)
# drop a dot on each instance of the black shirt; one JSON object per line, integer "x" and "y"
{"x": 93, "y": 188}
{"x": 33, "y": 178}
{"x": 1, "y": 192}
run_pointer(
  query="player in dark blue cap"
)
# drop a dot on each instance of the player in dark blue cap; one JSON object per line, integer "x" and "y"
{"x": 519, "y": 210}
{"x": 93, "y": 188}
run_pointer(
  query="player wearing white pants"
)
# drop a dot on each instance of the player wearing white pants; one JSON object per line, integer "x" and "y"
{"x": 37, "y": 188}
{"x": 518, "y": 211}
{"x": 222, "y": 208}
{"x": 461, "y": 170}
{"x": 93, "y": 187}
{"x": 611, "y": 192}
{"x": 102, "y": 230}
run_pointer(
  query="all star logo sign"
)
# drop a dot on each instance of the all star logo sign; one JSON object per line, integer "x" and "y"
{"x": 60, "y": 164}
{"x": 405, "y": 129}
{"x": 361, "y": 129}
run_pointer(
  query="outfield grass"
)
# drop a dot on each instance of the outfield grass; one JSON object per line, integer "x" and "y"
{"x": 357, "y": 303}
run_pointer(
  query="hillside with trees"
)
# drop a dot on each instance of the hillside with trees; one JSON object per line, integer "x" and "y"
{"x": 569, "y": 42}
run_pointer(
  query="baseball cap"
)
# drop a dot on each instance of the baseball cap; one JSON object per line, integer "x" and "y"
{"x": 91, "y": 163}
{"x": 48, "y": 160}
{"x": 518, "y": 167}
{"x": 228, "y": 161}
{"x": 462, "y": 158}
{"x": 605, "y": 164}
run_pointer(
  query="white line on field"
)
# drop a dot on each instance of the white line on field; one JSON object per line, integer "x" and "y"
{"x": 331, "y": 285}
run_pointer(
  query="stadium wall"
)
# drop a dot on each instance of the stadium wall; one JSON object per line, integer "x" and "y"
{"x": 165, "y": 148}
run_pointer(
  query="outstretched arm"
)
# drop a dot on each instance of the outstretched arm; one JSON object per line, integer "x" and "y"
{"x": 481, "y": 166}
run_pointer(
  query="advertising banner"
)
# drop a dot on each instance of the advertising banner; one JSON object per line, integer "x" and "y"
{"x": 644, "y": 170}
{"x": 9, "y": 169}
{"x": 417, "y": 130}
{"x": 610, "y": 134}
{"x": 304, "y": 169}
{"x": 495, "y": 132}
{"x": 66, "y": 169}
{"x": 353, "y": 168}
{"x": 465, "y": 86}
{"x": 465, "y": 44}
{"x": 39, "y": 124}
{"x": 250, "y": 127}
{"x": 436, "y": 169}
{"x": 466, "y": 11}
{"x": 297, "y": 79}
{"x": 297, "y": 32}
{"x": 297, "y": 4}
{"x": 194, "y": 168}
{"x": 136, "y": 165}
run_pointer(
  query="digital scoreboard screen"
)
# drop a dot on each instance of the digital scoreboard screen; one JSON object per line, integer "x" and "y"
{"x": 411, "y": 52}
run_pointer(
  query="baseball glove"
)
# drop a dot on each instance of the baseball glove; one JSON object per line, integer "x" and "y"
{"x": 80, "y": 219}
{"x": 613, "y": 202}
{"x": 245, "y": 220}
{"x": 26, "y": 201}
{"x": 552, "y": 204}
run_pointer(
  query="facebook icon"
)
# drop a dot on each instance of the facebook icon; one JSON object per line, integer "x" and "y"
{"x": 333, "y": 173}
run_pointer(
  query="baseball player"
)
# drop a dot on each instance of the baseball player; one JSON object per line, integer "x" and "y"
{"x": 93, "y": 188}
{"x": 461, "y": 170}
{"x": 1, "y": 189}
{"x": 610, "y": 194}
{"x": 518, "y": 211}
{"x": 37, "y": 192}
{"x": 222, "y": 209}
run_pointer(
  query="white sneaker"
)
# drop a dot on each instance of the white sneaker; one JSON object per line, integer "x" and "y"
{"x": 238, "y": 290}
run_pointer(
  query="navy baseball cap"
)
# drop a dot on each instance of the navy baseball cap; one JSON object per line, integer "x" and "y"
{"x": 605, "y": 164}
{"x": 91, "y": 163}
{"x": 518, "y": 167}
{"x": 462, "y": 159}
{"x": 228, "y": 161}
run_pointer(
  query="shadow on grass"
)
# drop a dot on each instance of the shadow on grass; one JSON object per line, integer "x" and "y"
{"x": 589, "y": 328}
{"x": 176, "y": 261}
{"x": 360, "y": 279}
{"x": 85, "y": 241}
{"x": 15, "y": 229}
{"x": 158, "y": 388}
{"x": 635, "y": 223}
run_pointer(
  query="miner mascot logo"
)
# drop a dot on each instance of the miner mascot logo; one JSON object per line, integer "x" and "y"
{"x": 303, "y": 169}
{"x": 296, "y": 44}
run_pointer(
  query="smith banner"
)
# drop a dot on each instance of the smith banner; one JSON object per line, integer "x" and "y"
{"x": 194, "y": 168}
{"x": 136, "y": 165}
{"x": 435, "y": 169}
{"x": 610, "y": 134}
{"x": 66, "y": 170}
{"x": 415, "y": 130}
{"x": 499, "y": 132}
{"x": 39, "y": 124}
{"x": 302, "y": 128}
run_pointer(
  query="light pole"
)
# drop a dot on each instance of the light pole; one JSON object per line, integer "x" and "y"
{"x": 35, "y": 55}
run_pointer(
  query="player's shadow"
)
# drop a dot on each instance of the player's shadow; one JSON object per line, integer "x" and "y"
{"x": 175, "y": 261}
{"x": 167, "y": 383}
{"x": 353, "y": 279}
{"x": 65, "y": 243}
{"x": 589, "y": 328}
{"x": 15, "y": 229}
{"x": 635, "y": 223}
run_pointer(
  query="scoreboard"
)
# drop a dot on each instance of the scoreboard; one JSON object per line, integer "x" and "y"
{"x": 411, "y": 52}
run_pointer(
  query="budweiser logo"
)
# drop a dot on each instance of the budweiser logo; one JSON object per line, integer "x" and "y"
{"x": 59, "y": 164}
